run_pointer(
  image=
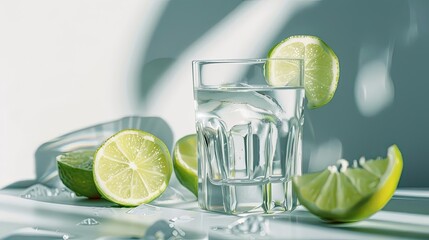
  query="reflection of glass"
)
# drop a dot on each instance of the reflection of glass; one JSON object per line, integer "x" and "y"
{"x": 249, "y": 135}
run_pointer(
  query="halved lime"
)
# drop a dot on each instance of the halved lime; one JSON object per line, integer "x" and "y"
{"x": 350, "y": 194}
{"x": 185, "y": 162}
{"x": 75, "y": 171}
{"x": 321, "y": 67}
{"x": 132, "y": 167}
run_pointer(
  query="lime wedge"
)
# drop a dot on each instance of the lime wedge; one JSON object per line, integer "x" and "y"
{"x": 132, "y": 167}
{"x": 321, "y": 67}
{"x": 75, "y": 171}
{"x": 185, "y": 162}
{"x": 350, "y": 194}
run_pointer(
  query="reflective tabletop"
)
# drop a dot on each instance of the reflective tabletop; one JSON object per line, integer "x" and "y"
{"x": 63, "y": 217}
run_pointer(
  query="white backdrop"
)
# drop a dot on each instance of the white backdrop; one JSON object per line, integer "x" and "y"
{"x": 65, "y": 65}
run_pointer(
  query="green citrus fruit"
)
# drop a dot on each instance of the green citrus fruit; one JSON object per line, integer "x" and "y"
{"x": 185, "y": 162}
{"x": 350, "y": 194}
{"x": 321, "y": 67}
{"x": 132, "y": 167}
{"x": 75, "y": 171}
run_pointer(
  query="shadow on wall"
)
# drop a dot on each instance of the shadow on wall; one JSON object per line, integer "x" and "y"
{"x": 392, "y": 34}
{"x": 395, "y": 34}
{"x": 181, "y": 24}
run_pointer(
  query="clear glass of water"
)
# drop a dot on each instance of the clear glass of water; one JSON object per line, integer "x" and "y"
{"x": 249, "y": 134}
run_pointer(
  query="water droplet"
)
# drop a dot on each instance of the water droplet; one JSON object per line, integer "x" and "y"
{"x": 36, "y": 191}
{"x": 40, "y": 191}
{"x": 246, "y": 226}
{"x": 88, "y": 222}
{"x": 63, "y": 192}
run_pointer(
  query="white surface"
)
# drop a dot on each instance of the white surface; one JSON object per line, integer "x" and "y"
{"x": 18, "y": 215}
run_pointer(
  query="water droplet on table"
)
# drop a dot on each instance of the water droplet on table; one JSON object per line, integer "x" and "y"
{"x": 63, "y": 192}
{"x": 246, "y": 226}
{"x": 88, "y": 222}
{"x": 35, "y": 191}
{"x": 40, "y": 191}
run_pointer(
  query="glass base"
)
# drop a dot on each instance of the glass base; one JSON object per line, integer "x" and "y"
{"x": 242, "y": 200}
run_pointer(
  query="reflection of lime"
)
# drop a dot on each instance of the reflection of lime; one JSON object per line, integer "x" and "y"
{"x": 185, "y": 162}
{"x": 321, "y": 67}
{"x": 350, "y": 194}
{"x": 132, "y": 167}
{"x": 75, "y": 171}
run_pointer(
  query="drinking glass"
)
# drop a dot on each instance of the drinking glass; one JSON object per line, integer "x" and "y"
{"x": 249, "y": 119}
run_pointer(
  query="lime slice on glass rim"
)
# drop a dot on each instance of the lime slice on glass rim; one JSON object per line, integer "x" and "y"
{"x": 350, "y": 194}
{"x": 185, "y": 162}
{"x": 321, "y": 67}
{"x": 132, "y": 167}
{"x": 75, "y": 171}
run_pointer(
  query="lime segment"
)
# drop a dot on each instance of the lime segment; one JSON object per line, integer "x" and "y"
{"x": 75, "y": 171}
{"x": 321, "y": 67}
{"x": 350, "y": 194}
{"x": 132, "y": 167}
{"x": 185, "y": 162}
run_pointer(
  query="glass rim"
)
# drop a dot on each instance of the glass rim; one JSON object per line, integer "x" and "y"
{"x": 199, "y": 65}
{"x": 242, "y": 60}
